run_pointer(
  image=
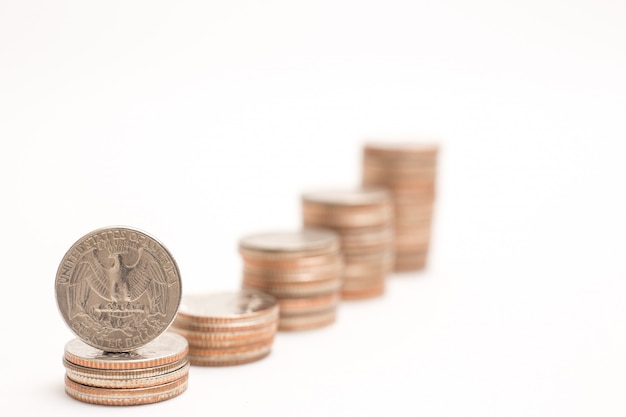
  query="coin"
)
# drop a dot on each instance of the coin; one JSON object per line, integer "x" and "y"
{"x": 129, "y": 396}
{"x": 408, "y": 170}
{"x": 362, "y": 217}
{"x": 224, "y": 307}
{"x": 227, "y": 328}
{"x": 308, "y": 321}
{"x": 149, "y": 377}
{"x": 167, "y": 348}
{"x": 304, "y": 265}
{"x": 233, "y": 359}
{"x": 289, "y": 244}
{"x": 118, "y": 288}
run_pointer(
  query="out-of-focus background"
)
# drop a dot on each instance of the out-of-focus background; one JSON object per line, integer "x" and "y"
{"x": 201, "y": 121}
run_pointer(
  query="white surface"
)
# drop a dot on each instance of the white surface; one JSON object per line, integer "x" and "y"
{"x": 201, "y": 121}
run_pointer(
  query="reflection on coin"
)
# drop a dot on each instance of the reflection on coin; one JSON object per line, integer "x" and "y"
{"x": 227, "y": 328}
{"x": 227, "y": 307}
{"x": 311, "y": 241}
{"x": 118, "y": 288}
{"x": 167, "y": 348}
{"x": 140, "y": 378}
{"x": 121, "y": 396}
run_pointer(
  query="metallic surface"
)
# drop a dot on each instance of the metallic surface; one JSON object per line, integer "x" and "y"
{"x": 167, "y": 348}
{"x": 227, "y": 306}
{"x": 130, "y": 396}
{"x": 118, "y": 288}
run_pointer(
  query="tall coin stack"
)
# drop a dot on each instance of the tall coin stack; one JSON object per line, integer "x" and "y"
{"x": 302, "y": 269}
{"x": 230, "y": 328}
{"x": 118, "y": 290}
{"x": 363, "y": 220}
{"x": 408, "y": 171}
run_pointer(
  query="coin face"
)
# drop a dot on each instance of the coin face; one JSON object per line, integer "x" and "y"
{"x": 227, "y": 306}
{"x": 166, "y": 349}
{"x": 309, "y": 239}
{"x": 118, "y": 288}
{"x": 348, "y": 197}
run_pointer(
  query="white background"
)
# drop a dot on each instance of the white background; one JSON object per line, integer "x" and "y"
{"x": 199, "y": 122}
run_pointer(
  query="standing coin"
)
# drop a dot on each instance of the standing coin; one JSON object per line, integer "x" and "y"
{"x": 118, "y": 288}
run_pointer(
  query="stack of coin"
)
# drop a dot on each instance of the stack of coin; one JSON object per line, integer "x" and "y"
{"x": 229, "y": 328}
{"x": 301, "y": 268}
{"x": 408, "y": 171}
{"x": 363, "y": 220}
{"x": 118, "y": 290}
{"x": 153, "y": 373}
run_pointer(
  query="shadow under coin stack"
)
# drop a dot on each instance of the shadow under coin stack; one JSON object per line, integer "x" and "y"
{"x": 302, "y": 269}
{"x": 118, "y": 290}
{"x": 363, "y": 220}
{"x": 230, "y": 328}
{"x": 408, "y": 171}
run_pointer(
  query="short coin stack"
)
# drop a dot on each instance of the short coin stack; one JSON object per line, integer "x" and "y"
{"x": 302, "y": 269}
{"x": 408, "y": 171}
{"x": 118, "y": 290}
{"x": 153, "y": 373}
{"x": 229, "y": 328}
{"x": 363, "y": 220}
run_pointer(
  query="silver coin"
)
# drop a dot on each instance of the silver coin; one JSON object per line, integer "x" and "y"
{"x": 118, "y": 289}
{"x": 295, "y": 242}
{"x": 227, "y": 306}
{"x": 166, "y": 349}
{"x": 348, "y": 197}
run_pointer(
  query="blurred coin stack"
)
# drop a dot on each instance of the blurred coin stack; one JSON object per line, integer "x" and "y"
{"x": 153, "y": 373}
{"x": 362, "y": 218}
{"x": 408, "y": 170}
{"x": 302, "y": 269}
{"x": 230, "y": 328}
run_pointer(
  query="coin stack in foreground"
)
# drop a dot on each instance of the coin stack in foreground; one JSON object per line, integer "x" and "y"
{"x": 156, "y": 372}
{"x": 408, "y": 171}
{"x": 363, "y": 220}
{"x": 230, "y": 328}
{"x": 118, "y": 290}
{"x": 302, "y": 269}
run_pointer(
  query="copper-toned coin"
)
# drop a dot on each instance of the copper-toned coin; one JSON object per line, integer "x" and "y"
{"x": 227, "y": 307}
{"x": 405, "y": 262}
{"x": 302, "y": 275}
{"x": 299, "y": 264}
{"x": 245, "y": 325}
{"x": 289, "y": 244}
{"x": 231, "y": 360}
{"x": 366, "y": 239}
{"x": 416, "y": 149}
{"x": 308, "y": 305}
{"x": 230, "y": 352}
{"x": 359, "y": 294}
{"x": 363, "y": 220}
{"x": 346, "y": 208}
{"x": 307, "y": 321}
{"x": 149, "y": 377}
{"x": 235, "y": 342}
{"x": 302, "y": 265}
{"x": 124, "y": 374}
{"x": 118, "y": 289}
{"x": 167, "y": 348}
{"x": 293, "y": 289}
{"x": 121, "y": 396}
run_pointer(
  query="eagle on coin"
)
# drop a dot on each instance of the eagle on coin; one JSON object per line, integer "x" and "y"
{"x": 118, "y": 287}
